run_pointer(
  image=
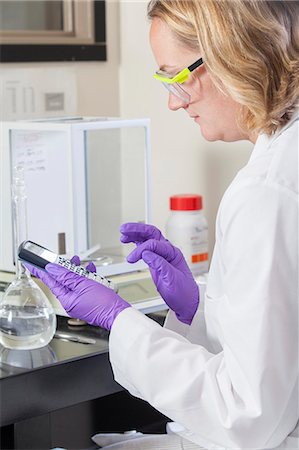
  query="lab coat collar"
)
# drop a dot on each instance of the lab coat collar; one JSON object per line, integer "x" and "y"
{"x": 264, "y": 142}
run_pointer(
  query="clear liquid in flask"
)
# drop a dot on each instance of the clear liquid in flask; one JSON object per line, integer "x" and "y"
{"x": 27, "y": 320}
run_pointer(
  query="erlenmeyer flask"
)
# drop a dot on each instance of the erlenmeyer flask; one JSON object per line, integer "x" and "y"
{"x": 27, "y": 319}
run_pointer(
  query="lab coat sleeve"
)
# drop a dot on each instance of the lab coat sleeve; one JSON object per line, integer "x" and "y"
{"x": 196, "y": 332}
{"x": 246, "y": 395}
{"x": 172, "y": 323}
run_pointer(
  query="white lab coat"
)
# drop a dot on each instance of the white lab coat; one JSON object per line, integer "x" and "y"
{"x": 237, "y": 387}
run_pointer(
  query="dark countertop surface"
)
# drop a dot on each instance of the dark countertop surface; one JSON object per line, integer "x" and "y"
{"x": 59, "y": 351}
{"x": 62, "y": 374}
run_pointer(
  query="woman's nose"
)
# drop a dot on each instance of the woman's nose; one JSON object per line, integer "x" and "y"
{"x": 175, "y": 103}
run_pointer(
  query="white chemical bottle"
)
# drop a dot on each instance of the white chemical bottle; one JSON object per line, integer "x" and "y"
{"x": 187, "y": 229}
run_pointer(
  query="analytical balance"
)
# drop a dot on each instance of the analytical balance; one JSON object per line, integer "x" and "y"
{"x": 85, "y": 176}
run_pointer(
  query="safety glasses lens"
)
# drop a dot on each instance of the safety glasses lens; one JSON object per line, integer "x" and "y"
{"x": 177, "y": 90}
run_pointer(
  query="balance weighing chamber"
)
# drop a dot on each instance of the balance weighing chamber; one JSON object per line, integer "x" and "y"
{"x": 85, "y": 176}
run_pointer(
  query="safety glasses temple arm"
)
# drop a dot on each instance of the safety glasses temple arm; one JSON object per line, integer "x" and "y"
{"x": 197, "y": 63}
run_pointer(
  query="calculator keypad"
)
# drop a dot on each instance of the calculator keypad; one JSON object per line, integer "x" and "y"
{"x": 80, "y": 270}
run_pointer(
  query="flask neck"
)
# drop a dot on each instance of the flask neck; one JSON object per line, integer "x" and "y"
{"x": 21, "y": 271}
{"x": 19, "y": 208}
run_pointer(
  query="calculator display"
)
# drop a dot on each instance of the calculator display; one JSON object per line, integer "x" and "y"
{"x": 40, "y": 251}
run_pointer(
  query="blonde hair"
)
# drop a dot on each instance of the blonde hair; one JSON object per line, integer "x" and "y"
{"x": 250, "y": 48}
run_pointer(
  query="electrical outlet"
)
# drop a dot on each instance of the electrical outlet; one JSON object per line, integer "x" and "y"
{"x": 54, "y": 101}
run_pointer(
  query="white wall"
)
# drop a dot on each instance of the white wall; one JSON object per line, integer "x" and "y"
{"x": 182, "y": 161}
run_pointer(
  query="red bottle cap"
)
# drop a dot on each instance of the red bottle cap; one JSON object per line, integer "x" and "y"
{"x": 186, "y": 202}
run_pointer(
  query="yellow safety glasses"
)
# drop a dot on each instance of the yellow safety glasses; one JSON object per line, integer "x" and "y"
{"x": 173, "y": 83}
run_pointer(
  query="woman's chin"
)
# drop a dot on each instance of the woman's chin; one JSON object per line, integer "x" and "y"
{"x": 209, "y": 135}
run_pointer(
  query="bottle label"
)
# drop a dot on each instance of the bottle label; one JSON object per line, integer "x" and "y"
{"x": 194, "y": 246}
{"x": 199, "y": 257}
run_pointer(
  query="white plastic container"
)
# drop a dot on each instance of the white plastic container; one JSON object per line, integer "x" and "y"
{"x": 187, "y": 229}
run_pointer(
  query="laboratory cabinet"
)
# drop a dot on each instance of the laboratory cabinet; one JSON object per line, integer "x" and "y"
{"x": 62, "y": 394}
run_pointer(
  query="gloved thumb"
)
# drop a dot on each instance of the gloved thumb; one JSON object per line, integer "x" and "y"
{"x": 161, "y": 248}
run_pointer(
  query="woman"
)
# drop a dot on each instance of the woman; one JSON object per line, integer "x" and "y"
{"x": 234, "y": 67}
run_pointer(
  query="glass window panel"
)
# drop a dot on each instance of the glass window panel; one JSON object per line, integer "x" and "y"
{"x": 115, "y": 162}
{"x": 38, "y": 15}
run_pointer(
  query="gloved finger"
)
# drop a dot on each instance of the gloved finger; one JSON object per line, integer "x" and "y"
{"x": 162, "y": 248}
{"x": 91, "y": 267}
{"x": 139, "y": 232}
{"x": 57, "y": 289}
{"x": 31, "y": 268}
{"x": 68, "y": 279}
{"x": 76, "y": 260}
{"x": 42, "y": 275}
{"x": 60, "y": 291}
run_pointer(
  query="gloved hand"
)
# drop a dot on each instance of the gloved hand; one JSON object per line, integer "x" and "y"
{"x": 81, "y": 297}
{"x": 169, "y": 270}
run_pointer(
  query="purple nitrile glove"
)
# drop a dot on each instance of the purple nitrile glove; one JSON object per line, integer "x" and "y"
{"x": 81, "y": 297}
{"x": 168, "y": 267}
